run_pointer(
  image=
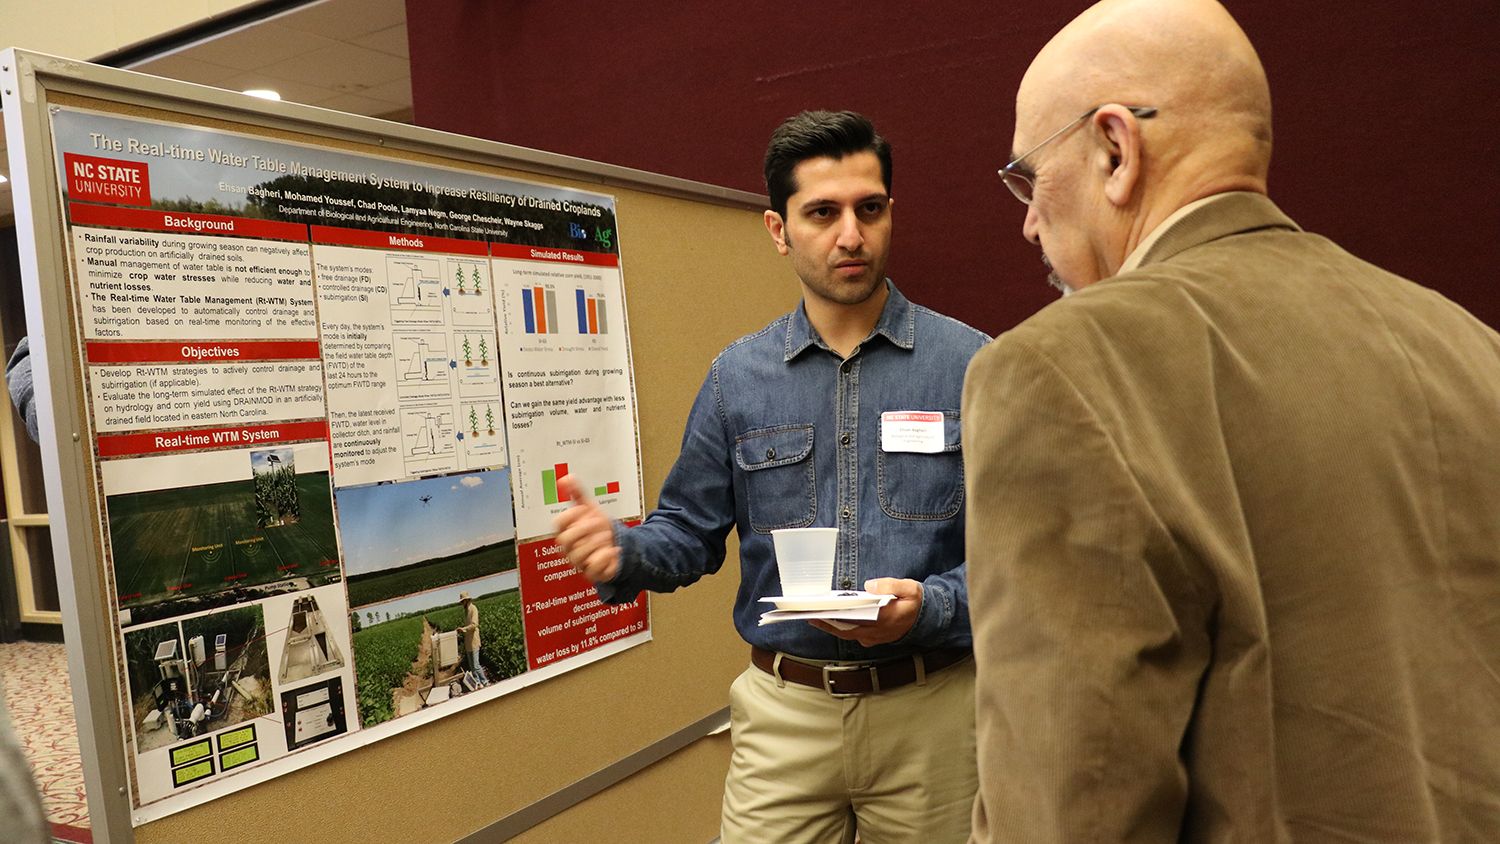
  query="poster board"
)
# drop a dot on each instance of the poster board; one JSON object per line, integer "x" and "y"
{"x": 73, "y": 119}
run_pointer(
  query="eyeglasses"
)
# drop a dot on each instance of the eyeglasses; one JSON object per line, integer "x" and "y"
{"x": 1020, "y": 181}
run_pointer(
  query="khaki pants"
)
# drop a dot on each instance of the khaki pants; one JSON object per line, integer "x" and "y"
{"x": 897, "y": 766}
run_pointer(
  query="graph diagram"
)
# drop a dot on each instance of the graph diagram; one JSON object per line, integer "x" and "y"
{"x": 552, "y": 495}
{"x": 592, "y": 317}
{"x": 539, "y": 309}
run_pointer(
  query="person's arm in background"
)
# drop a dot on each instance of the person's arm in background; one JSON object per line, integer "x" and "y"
{"x": 1089, "y": 630}
{"x": 682, "y": 539}
{"x": 22, "y": 390}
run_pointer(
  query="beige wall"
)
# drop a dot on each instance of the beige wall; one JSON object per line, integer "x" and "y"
{"x": 88, "y": 29}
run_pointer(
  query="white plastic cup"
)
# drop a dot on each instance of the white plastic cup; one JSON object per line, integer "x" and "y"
{"x": 804, "y": 559}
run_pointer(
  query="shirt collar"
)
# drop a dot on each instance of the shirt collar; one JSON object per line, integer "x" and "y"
{"x": 897, "y": 324}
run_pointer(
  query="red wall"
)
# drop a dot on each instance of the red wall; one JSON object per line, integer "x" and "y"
{"x": 1386, "y": 115}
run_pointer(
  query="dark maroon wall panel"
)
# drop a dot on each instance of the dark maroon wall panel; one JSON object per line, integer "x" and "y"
{"x": 1386, "y": 127}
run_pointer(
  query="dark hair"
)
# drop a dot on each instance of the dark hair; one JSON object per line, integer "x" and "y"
{"x": 815, "y": 134}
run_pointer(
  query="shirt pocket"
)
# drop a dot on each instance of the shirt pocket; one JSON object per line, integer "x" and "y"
{"x": 779, "y": 483}
{"x": 923, "y": 487}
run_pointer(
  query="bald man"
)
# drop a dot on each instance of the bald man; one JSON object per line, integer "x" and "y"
{"x": 1234, "y": 504}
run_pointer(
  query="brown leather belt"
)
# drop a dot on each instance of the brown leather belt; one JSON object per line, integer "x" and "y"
{"x": 857, "y": 678}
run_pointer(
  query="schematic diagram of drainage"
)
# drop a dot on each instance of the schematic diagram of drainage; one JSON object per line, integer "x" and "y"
{"x": 428, "y": 439}
{"x": 415, "y": 288}
{"x": 423, "y": 365}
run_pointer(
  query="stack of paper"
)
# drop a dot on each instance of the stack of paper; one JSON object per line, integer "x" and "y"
{"x": 840, "y": 609}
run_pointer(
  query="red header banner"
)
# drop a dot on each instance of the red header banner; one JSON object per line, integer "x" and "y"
{"x": 519, "y": 252}
{"x": 184, "y": 223}
{"x": 231, "y": 351}
{"x": 239, "y": 436}
{"x": 334, "y": 236}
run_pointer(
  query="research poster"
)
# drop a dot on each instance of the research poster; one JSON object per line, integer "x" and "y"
{"x": 331, "y": 396}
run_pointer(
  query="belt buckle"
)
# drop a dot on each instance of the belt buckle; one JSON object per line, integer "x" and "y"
{"x": 829, "y": 669}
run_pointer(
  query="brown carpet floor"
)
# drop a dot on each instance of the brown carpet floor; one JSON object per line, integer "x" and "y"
{"x": 34, "y": 680}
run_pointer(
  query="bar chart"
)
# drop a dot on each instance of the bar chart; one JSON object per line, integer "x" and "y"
{"x": 592, "y": 317}
{"x": 552, "y": 495}
{"x": 539, "y": 310}
{"x": 564, "y": 359}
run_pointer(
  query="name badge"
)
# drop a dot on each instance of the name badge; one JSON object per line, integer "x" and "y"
{"x": 920, "y": 431}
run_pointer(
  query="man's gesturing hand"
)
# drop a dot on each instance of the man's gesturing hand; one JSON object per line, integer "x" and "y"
{"x": 586, "y": 535}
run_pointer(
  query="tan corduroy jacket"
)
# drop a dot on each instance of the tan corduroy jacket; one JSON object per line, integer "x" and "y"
{"x": 1234, "y": 551}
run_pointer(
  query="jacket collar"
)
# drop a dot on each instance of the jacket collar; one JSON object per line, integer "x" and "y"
{"x": 1237, "y": 212}
{"x": 897, "y": 324}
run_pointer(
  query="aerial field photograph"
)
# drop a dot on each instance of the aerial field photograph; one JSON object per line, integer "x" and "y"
{"x": 414, "y": 536}
{"x": 190, "y": 548}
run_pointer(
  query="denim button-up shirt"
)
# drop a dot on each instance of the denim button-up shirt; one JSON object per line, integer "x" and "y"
{"x": 785, "y": 433}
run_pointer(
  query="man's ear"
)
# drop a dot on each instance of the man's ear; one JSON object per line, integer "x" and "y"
{"x": 1121, "y": 134}
{"x": 777, "y": 227}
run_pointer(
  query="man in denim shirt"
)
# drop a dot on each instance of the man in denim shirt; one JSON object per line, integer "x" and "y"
{"x": 870, "y": 729}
